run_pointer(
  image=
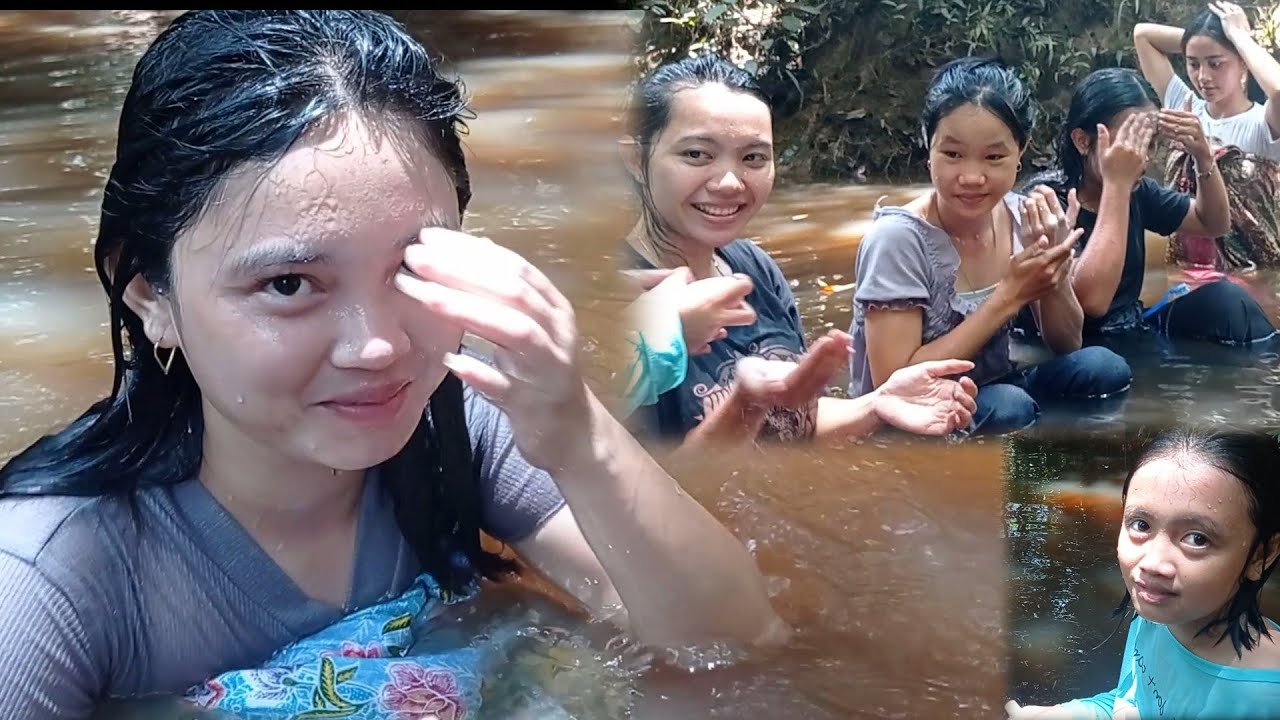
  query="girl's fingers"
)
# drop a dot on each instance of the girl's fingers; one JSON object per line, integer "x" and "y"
{"x": 484, "y": 317}
{"x": 484, "y": 268}
{"x": 486, "y": 379}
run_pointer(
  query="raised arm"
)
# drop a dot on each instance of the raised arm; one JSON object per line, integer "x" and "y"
{"x": 1155, "y": 44}
{"x": 1057, "y": 313}
{"x": 1262, "y": 65}
{"x": 680, "y": 574}
{"x": 1098, "y": 269}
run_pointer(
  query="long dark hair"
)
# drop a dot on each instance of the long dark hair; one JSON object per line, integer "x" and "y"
{"x": 218, "y": 89}
{"x": 650, "y": 113}
{"x": 1098, "y": 98}
{"x": 1209, "y": 25}
{"x": 1251, "y": 457}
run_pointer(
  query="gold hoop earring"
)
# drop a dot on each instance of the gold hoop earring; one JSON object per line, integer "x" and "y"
{"x": 166, "y": 363}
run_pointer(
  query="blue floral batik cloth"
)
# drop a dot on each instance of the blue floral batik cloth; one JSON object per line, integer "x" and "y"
{"x": 359, "y": 668}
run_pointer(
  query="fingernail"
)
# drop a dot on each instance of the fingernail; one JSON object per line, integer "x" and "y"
{"x": 450, "y": 360}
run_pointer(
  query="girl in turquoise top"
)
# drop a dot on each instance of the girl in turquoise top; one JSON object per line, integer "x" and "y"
{"x": 1199, "y": 538}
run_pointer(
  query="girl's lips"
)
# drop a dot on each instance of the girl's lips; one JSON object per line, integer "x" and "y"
{"x": 376, "y": 405}
{"x": 1152, "y": 595}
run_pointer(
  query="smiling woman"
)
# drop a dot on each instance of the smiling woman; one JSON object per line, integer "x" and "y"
{"x": 700, "y": 150}
{"x": 293, "y": 433}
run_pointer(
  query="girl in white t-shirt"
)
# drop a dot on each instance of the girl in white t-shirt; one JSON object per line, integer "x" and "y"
{"x": 1234, "y": 87}
{"x": 1221, "y": 57}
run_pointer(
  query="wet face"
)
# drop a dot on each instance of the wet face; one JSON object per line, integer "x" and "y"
{"x": 1217, "y": 73}
{"x": 973, "y": 161}
{"x": 712, "y": 168}
{"x": 1087, "y": 145}
{"x": 283, "y": 304}
{"x": 1184, "y": 542}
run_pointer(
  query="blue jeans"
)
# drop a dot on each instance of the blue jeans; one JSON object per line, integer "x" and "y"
{"x": 1013, "y": 402}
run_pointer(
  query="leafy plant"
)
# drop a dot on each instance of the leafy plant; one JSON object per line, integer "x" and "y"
{"x": 848, "y": 75}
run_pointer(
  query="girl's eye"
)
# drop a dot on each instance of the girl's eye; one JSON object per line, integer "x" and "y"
{"x": 1198, "y": 539}
{"x": 286, "y": 285}
{"x": 1138, "y": 525}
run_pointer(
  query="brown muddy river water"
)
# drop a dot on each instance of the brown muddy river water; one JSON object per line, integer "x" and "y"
{"x": 1063, "y": 507}
{"x": 888, "y": 557}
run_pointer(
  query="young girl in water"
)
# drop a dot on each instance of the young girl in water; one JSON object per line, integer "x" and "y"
{"x": 1199, "y": 538}
{"x": 1102, "y": 157}
{"x": 700, "y": 149}
{"x": 293, "y": 434}
{"x": 1234, "y": 81}
{"x": 946, "y": 274}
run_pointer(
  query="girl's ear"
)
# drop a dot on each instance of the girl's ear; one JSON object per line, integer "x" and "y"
{"x": 1082, "y": 141}
{"x": 1264, "y": 558}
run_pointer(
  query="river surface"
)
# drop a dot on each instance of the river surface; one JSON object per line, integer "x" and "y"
{"x": 1064, "y": 476}
{"x": 887, "y": 557}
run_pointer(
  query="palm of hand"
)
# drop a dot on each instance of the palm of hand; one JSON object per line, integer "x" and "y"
{"x": 915, "y": 401}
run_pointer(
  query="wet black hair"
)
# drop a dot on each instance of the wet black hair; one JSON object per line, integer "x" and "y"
{"x": 985, "y": 82}
{"x": 1207, "y": 24}
{"x": 1251, "y": 457}
{"x": 1098, "y": 98}
{"x": 216, "y": 91}
{"x": 650, "y": 113}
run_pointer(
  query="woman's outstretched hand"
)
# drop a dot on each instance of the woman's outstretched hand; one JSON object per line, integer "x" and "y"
{"x": 922, "y": 399}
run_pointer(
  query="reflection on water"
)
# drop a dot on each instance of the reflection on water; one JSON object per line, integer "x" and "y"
{"x": 813, "y": 232}
{"x": 1063, "y": 521}
{"x": 888, "y": 560}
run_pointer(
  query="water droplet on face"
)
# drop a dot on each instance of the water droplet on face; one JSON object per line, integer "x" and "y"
{"x": 240, "y": 399}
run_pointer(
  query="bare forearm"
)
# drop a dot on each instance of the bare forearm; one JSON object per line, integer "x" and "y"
{"x": 1164, "y": 38}
{"x": 644, "y": 529}
{"x": 1261, "y": 64}
{"x": 840, "y": 418}
{"x": 967, "y": 339}
{"x": 1061, "y": 320}
{"x": 1100, "y": 264}
{"x": 1213, "y": 209}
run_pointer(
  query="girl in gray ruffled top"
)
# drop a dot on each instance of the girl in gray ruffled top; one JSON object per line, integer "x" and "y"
{"x": 946, "y": 274}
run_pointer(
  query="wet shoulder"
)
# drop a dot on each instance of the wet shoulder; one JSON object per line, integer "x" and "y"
{"x": 79, "y": 544}
{"x": 896, "y": 230}
{"x": 34, "y": 525}
{"x": 1267, "y": 655}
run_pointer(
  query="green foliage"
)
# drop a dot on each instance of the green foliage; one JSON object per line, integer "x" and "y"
{"x": 850, "y": 75}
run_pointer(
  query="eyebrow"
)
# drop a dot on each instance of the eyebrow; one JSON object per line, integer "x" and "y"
{"x": 287, "y": 252}
{"x": 997, "y": 144}
{"x": 712, "y": 141}
{"x": 1194, "y": 519}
